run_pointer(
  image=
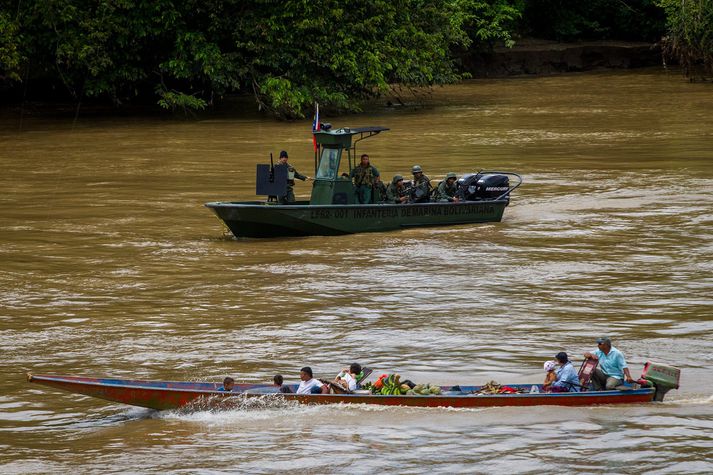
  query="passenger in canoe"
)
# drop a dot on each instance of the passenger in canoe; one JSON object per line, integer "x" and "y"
{"x": 421, "y": 192}
{"x": 278, "y": 381}
{"x": 612, "y": 369}
{"x": 446, "y": 191}
{"x": 291, "y": 175}
{"x": 550, "y": 376}
{"x": 365, "y": 177}
{"x": 228, "y": 384}
{"x": 396, "y": 192}
{"x": 309, "y": 384}
{"x": 567, "y": 378}
{"x": 348, "y": 377}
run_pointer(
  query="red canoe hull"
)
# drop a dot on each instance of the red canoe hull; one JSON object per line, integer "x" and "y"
{"x": 162, "y": 395}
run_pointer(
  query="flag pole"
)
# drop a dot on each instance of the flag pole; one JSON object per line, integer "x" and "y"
{"x": 315, "y": 129}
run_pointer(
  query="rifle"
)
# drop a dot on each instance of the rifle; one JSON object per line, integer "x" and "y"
{"x": 415, "y": 193}
{"x": 272, "y": 177}
{"x": 407, "y": 190}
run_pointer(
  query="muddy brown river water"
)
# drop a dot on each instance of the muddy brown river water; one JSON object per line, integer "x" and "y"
{"x": 110, "y": 265}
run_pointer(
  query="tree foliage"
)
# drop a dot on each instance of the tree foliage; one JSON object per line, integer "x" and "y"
{"x": 335, "y": 52}
{"x": 690, "y": 35}
{"x": 566, "y": 20}
{"x": 289, "y": 54}
{"x": 10, "y": 57}
{"x": 489, "y": 22}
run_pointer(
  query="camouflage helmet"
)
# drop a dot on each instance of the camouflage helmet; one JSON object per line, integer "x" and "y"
{"x": 416, "y": 169}
{"x": 396, "y": 179}
{"x": 451, "y": 175}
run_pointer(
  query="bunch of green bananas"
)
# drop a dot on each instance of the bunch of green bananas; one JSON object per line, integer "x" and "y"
{"x": 393, "y": 387}
{"x": 425, "y": 390}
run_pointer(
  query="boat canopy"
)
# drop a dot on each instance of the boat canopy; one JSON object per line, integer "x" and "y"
{"x": 330, "y": 187}
{"x": 342, "y": 137}
{"x": 348, "y": 132}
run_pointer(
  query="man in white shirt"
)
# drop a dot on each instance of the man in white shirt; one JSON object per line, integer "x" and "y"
{"x": 309, "y": 384}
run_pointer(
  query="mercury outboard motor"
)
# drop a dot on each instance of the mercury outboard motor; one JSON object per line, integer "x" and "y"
{"x": 479, "y": 187}
{"x": 663, "y": 377}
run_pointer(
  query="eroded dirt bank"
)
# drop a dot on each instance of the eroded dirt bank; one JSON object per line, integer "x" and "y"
{"x": 534, "y": 56}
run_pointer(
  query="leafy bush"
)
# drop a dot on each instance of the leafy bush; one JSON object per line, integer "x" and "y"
{"x": 9, "y": 51}
{"x": 690, "y": 35}
{"x": 566, "y": 20}
{"x": 289, "y": 54}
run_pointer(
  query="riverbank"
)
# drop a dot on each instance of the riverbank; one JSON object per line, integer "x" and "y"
{"x": 542, "y": 57}
{"x": 529, "y": 57}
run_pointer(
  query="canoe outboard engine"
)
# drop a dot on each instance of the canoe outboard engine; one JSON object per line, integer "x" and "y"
{"x": 663, "y": 377}
{"x": 479, "y": 187}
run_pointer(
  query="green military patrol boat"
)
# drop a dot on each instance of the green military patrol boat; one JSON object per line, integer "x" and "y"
{"x": 333, "y": 208}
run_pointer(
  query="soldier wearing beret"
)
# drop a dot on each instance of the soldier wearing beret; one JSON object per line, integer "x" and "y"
{"x": 289, "y": 196}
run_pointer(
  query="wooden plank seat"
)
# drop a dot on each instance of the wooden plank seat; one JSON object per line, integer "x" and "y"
{"x": 585, "y": 374}
{"x": 586, "y": 371}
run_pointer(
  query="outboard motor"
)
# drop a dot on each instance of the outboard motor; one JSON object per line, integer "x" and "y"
{"x": 479, "y": 187}
{"x": 663, "y": 377}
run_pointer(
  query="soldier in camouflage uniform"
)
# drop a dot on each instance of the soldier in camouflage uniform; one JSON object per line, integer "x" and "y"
{"x": 291, "y": 175}
{"x": 379, "y": 191}
{"x": 365, "y": 177}
{"x": 396, "y": 192}
{"x": 446, "y": 190}
{"x": 421, "y": 186}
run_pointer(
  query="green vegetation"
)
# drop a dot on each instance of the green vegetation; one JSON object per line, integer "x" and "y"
{"x": 690, "y": 35}
{"x": 289, "y": 54}
{"x": 566, "y": 20}
{"x": 9, "y": 54}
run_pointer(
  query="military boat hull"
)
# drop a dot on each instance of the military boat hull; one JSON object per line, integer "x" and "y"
{"x": 254, "y": 219}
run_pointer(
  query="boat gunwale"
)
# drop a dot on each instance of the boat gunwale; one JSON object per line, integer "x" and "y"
{"x": 265, "y": 204}
{"x": 65, "y": 379}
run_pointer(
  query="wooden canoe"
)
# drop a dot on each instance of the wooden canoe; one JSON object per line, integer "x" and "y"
{"x": 162, "y": 395}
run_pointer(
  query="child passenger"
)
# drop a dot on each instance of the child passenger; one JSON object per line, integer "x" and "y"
{"x": 348, "y": 377}
{"x": 551, "y": 376}
{"x": 228, "y": 384}
{"x": 281, "y": 388}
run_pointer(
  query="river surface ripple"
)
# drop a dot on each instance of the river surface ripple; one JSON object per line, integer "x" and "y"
{"x": 109, "y": 265}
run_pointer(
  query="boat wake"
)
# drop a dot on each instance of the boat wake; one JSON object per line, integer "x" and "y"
{"x": 236, "y": 403}
{"x": 101, "y": 421}
{"x": 690, "y": 400}
{"x": 238, "y": 408}
{"x": 266, "y": 408}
